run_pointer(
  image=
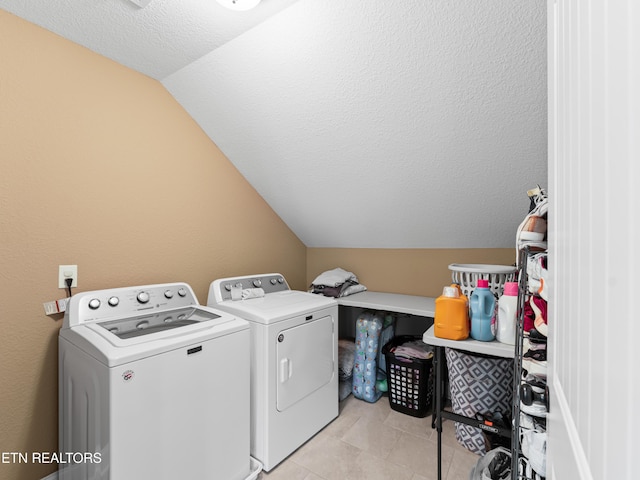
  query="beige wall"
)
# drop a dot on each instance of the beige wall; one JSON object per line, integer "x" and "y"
{"x": 408, "y": 271}
{"x": 100, "y": 167}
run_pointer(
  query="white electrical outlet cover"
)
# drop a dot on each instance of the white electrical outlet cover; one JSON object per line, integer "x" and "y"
{"x": 67, "y": 271}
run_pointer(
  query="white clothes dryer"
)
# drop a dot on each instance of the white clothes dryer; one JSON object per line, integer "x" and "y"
{"x": 152, "y": 385}
{"x": 294, "y": 360}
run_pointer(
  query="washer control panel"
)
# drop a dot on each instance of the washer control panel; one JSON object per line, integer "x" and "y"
{"x": 222, "y": 288}
{"x": 120, "y": 302}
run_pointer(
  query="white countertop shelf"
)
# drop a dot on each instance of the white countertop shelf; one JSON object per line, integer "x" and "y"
{"x": 493, "y": 348}
{"x": 391, "y": 302}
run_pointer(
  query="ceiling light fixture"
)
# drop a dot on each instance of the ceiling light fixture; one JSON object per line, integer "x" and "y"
{"x": 141, "y": 3}
{"x": 239, "y": 4}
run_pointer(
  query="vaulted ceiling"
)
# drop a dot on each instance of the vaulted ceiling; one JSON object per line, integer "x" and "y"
{"x": 379, "y": 123}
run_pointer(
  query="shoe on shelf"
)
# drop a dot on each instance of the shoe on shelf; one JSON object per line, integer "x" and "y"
{"x": 534, "y": 447}
{"x": 536, "y": 409}
{"x": 535, "y": 336}
{"x": 530, "y": 395}
{"x": 540, "y": 354}
{"x": 535, "y": 351}
{"x": 528, "y": 422}
{"x": 539, "y": 307}
{"x": 534, "y": 367}
{"x": 534, "y": 395}
{"x": 536, "y": 196}
{"x": 532, "y": 345}
{"x": 533, "y": 229}
{"x": 526, "y": 471}
{"x": 539, "y": 381}
{"x": 537, "y": 274}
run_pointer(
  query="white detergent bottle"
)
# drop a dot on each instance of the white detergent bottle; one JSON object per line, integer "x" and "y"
{"x": 507, "y": 314}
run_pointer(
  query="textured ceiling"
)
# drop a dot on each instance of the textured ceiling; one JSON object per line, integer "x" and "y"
{"x": 383, "y": 123}
{"x": 158, "y": 39}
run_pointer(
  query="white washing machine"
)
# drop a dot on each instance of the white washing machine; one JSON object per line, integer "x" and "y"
{"x": 152, "y": 385}
{"x": 294, "y": 360}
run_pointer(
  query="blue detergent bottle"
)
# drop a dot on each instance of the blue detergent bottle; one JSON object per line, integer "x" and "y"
{"x": 483, "y": 304}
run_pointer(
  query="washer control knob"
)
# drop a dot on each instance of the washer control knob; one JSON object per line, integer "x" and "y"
{"x": 143, "y": 297}
{"x": 94, "y": 304}
{"x": 113, "y": 301}
{"x": 281, "y": 338}
{"x": 168, "y": 294}
{"x": 273, "y": 281}
{"x": 182, "y": 292}
{"x": 280, "y": 280}
{"x": 257, "y": 283}
{"x": 239, "y": 285}
{"x": 227, "y": 287}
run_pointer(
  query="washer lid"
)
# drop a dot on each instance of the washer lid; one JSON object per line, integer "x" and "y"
{"x": 112, "y": 349}
{"x": 120, "y": 325}
{"x": 125, "y": 328}
{"x": 276, "y": 306}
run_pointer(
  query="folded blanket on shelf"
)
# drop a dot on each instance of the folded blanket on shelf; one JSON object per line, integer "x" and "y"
{"x": 335, "y": 277}
{"x": 336, "y": 283}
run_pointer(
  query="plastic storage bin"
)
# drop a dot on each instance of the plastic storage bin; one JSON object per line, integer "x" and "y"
{"x": 409, "y": 380}
{"x": 478, "y": 384}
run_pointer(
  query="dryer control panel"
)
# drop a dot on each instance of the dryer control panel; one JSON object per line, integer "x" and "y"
{"x": 222, "y": 288}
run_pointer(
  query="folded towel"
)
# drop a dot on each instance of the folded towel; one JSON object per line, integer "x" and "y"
{"x": 335, "y": 277}
{"x": 246, "y": 293}
{"x": 252, "y": 293}
{"x": 412, "y": 350}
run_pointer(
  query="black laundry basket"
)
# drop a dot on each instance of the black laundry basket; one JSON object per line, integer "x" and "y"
{"x": 410, "y": 381}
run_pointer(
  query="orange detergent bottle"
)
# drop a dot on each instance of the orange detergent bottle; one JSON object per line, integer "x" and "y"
{"x": 452, "y": 314}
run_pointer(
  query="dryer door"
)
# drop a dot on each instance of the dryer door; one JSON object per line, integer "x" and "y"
{"x": 304, "y": 360}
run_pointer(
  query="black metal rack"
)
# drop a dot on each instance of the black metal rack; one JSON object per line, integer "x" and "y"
{"x": 516, "y": 452}
{"x": 439, "y": 413}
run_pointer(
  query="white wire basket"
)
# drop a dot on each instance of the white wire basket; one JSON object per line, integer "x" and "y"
{"x": 467, "y": 274}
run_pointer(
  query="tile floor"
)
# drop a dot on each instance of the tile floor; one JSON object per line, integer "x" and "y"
{"x": 373, "y": 442}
